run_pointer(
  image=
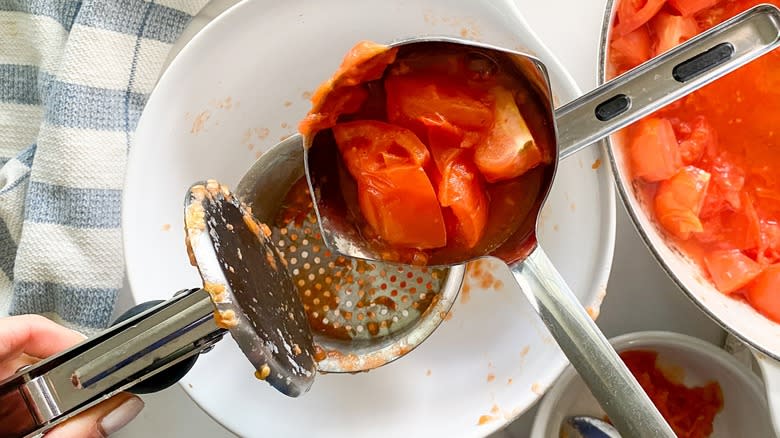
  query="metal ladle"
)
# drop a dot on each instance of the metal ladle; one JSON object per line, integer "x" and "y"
{"x": 584, "y": 121}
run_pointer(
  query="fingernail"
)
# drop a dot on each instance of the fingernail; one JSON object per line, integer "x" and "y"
{"x": 120, "y": 416}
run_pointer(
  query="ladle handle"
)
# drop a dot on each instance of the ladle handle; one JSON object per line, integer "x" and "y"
{"x": 628, "y": 406}
{"x": 666, "y": 78}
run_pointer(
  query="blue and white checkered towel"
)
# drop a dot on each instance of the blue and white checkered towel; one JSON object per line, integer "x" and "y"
{"x": 74, "y": 77}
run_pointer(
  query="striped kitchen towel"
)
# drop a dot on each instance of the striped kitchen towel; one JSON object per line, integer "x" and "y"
{"x": 74, "y": 77}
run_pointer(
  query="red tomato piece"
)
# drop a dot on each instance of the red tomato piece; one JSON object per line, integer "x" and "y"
{"x": 400, "y": 204}
{"x": 369, "y": 145}
{"x": 671, "y": 30}
{"x": 769, "y": 248}
{"x": 344, "y": 100}
{"x": 731, "y": 270}
{"x": 451, "y": 134}
{"x": 509, "y": 149}
{"x": 700, "y": 138}
{"x": 728, "y": 180}
{"x": 411, "y": 99}
{"x": 631, "y": 49}
{"x": 764, "y": 293}
{"x": 460, "y": 187}
{"x": 343, "y": 93}
{"x": 364, "y": 62}
{"x": 679, "y": 199}
{"x": 690, "y": 7}
{"x": 631, "y": 14}
{"x": 744, "y": 225}
{"x": 655, "y": 155}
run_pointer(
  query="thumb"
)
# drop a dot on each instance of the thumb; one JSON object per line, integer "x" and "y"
{"x": 101, "y": 420}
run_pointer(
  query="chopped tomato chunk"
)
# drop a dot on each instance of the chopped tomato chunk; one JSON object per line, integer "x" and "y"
{"x": 344, "y": 100}
{"x": 699, "y": 137}
{"x": 671, "y": 30}
{"x": 728, "y": 180}
{"x": 738, "y": 229}
{"x": 631, "y": 49}
{"x": 655, "y": 155}
{"x": 454, "y": 136}
{"x": 412, "y": 99}
{"x": 400, "y": 204}
{"x": 368, "y": 145}
{"x": 744, "y": 225}
{"x": 631, "y": 14}
{"x": 395, "y": 195}
{"x": 679, "y": 199}
{"x": 509, "y": 149}
{"x": 460, "y": 187}
{"x": 731, "y": 270}
{"x": 690, "y": 7}
{"x": 764, "y": 293}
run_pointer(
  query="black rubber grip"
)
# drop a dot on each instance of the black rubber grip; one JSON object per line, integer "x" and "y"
{"x": 701, "y": 63}
{"x": 613, "y": 107}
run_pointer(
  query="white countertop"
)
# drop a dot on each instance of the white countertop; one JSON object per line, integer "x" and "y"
{"x": 570, "y": 28}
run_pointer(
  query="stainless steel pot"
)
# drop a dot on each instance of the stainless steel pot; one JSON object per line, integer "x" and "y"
{"x": 737, "y": 317}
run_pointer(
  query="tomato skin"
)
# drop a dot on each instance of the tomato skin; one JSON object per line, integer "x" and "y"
{"x": 728, "y": 180}
{"x": 655, "y": 155}
{"x": 395, "y": 195}
{"x": 509, "y": 149}
{"x": 369, "y": 145}
{"x": 460, "y": 185}
{"x": 730, "y": 269}
{"x": 689, "y": 7}
{"x": 631, "y": 49}
{"x": 344, "y": 100}
{"x": 672, "y": 30}
{"x": 631, "y": 14}
{"x": 738, "y": 229}
{"x": 764, "y": 293}
{"x": 679, "y": 199}
{"x": 343, "y": 93}
{"x": 414, "y": 98}
{"x": 400, "y": 204}
{"x": 700, "y": 138}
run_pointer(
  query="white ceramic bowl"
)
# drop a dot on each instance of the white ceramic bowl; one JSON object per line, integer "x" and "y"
{"x": 744, "y": 413}
{"x": 231, "y": 93}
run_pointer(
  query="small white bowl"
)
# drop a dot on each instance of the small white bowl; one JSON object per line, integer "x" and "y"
{"x": 744, "y": 413}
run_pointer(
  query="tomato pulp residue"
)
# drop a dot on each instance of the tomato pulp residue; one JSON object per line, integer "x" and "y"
{"x": 709, "y": 165}
{"x": 347, "y": 299}
{"x": 446, "y": 151}
{"x": 689, "y": 411}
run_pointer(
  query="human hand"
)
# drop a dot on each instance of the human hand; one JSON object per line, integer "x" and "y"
{"x": 24, "y": 340}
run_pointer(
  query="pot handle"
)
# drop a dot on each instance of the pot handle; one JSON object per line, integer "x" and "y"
{"x": 770, "y": 369}
{"x": 610, "y": 381}
{"x": 666, "y": 78}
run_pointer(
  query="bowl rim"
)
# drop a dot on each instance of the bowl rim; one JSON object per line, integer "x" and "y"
{"x": 647, "y": 339}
